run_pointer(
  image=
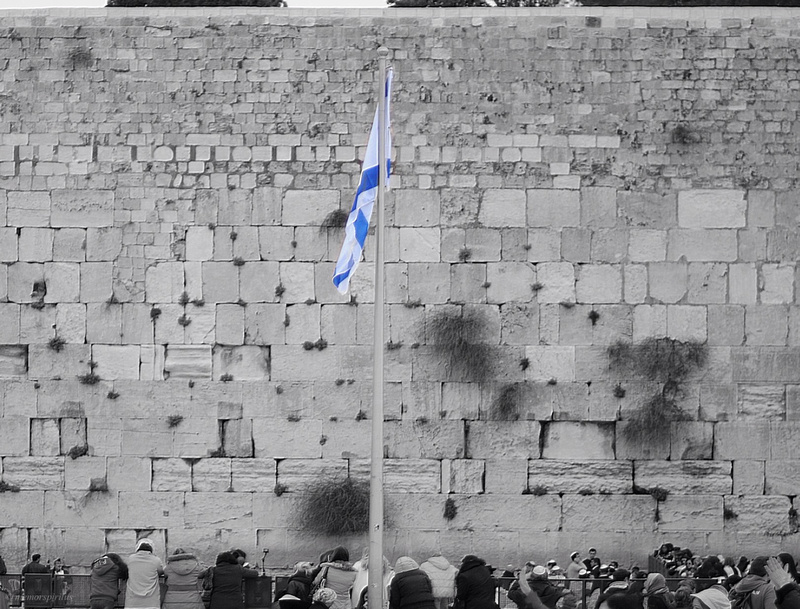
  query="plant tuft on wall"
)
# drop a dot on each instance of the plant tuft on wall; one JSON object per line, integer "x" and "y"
{"x": 336, "y": 507}
{"x": 335, "y": 219}
{"x": 450, "y": 509}
{"x": 506, "y": 406}
{"x": 5, "y": 487}
{"x": 454, "y": 336}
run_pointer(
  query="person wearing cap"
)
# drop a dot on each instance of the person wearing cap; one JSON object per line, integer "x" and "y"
{"x": 410, "y": 588}
{"x": 144, "y": 570}
{"x": 592, "y": 563}
{"x": 756, "y": 585}
{"x": 618, "y": 594}
{"x": 536, "y": 583}
{"x": 475, "y": 586}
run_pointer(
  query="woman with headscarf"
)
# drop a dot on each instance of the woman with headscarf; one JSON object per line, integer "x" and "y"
{"x": 337, "y": 574}
{"x": 656, "y": 594}
{"x": 226, "y": 581}
{"x": 713, "y": 597}
{"x": 475, "y": 586}
{"x": 410, "y": 588}
{"x": 183, "y": 583}
{"x": 144, "y": 571}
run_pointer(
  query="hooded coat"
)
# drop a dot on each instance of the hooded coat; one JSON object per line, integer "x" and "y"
{"x": 142, "y": 591}
{"x": 226, "y": 582}
{"x": 475, "y": 586}
{"x": 410, "y": 588}
{"x": 104, "y": 580}
{"x": 339, "y": 576}
{"x": 183, "y": 586}
{"x": 713, "y": 597}
{"x": 762, "y": 592}
{"x": 442, "y": 575}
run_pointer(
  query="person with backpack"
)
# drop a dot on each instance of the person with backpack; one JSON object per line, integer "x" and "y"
{"x": 755, "y": 590}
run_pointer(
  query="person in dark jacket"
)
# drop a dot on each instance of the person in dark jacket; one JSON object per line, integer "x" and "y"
{"x": 618, "y": 595}
{"x": 226, "y": 586}
{"x": 297, "y": 594}
{"x": 756, "y": 584}
{"x": 183, "y": 583}
{"x": 35, "y": 566}
{"x": 105, "y": 581}
{"x": 3, "y": 569}
{"x": 787, "y": 592}
{"x": 475, "y": 586}
{"x": 411, "y": 588}
{"x": 537, "y": 580}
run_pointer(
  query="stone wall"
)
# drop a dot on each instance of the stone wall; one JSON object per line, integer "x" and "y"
{"x": 173, "y": 350}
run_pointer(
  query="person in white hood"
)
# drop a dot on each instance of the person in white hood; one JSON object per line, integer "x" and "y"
{"x": 144, "y": 570}
{"x": 443, "y": 577}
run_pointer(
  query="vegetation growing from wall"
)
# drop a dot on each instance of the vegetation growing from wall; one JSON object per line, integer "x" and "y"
{"x": 336, "y": 507}
{"x": 454, "y": 335}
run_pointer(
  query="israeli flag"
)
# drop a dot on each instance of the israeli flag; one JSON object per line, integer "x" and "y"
{"x": 355, "y": 231}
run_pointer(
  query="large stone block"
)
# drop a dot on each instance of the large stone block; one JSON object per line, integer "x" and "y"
{"x": 188, "y": 362}
{"x": 765, "y": 364}
{"x": 748, "y": 477}
{"x": 781, "y": 477}
{"x": 630, "y": 513}
{"x": 82, "y": 208}
{"x": 550, "y": 362}
{"x": 685, "y": 477}
{"x": 648, "y": 210}
{"x": 765, "y": 515}
{"x": 416, "y": 207}
{"x": 423, "y": 438}
{"x": 506, "y": 476}
{"x": 34, "y": 473}
{"x": 68, "y": 363}
{"x": 28, "y": 208}
{"x": 575, "y": 440}
{"x": 287, "y": 439}
{"x": 696, "y": 513}
{"x": 520, "y": 439}
{"x": 703, "y": 245}
{"x": 745, "y": 440}
{"x": 512, "y": 513}
{"x": 212, "y": 475}
{"x": 553, "y": 208}
{"x": 404, "y": 475}
{"x": 308, "y": 207}
{"x": 80, "y": 509}
{"x": 766, "y": 325}
{"x": 15, "y": 436}
{"x": 556, "y": 282}
{"x": 501, "y": 208}
{"x": 9, "y": 330}
{"x": 152, "y": 510}
{"x": 245, "y": 363}
{"x": 691, "y": 440}
{"x": 598, "y": 283}
{"x": 253, "y": 475}
{"x": 128, "y": 473}
{"x": 579, "y": 476}
{"x": 223, "y": 510}
{"x": 345, "y": 439}
{"x": 22, "y": 509}
{"x": 764, "y": 402}
{"x": 668, "y": 281}
{"x": 711, "y": 209}
{"x": 463, "y": 476}
{"x": 171, "y": 475}
{"x": 116, "y": 361}
{"x": 13, "y": 360}
{"x": 298, "y": 475}
{"x": 510, "y": 282}
{"x": 140, "y": 438}
{"x": 45, "y": 437}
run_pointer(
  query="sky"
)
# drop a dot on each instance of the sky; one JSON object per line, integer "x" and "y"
{"x": 39, "y": 4}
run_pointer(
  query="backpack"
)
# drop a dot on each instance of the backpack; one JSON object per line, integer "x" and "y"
{"x": 739, "y": 600}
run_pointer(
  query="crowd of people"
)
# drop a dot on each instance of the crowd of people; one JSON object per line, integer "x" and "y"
{"x": 334, "y": 582}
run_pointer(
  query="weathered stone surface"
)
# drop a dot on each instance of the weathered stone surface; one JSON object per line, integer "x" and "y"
{"x": 34, "y": 473}
{"x": 171, "y": 475}
{"x": 711, "y": 208}
{"x": 253, "y": 475}
{"x": 188, "y": 362}
{"x": 576, "y": 440}
{"x": 145, "y": 510}
{"x": 297, "y": 475}
{"x": 781, "y": 477}
{"x": 696, "y": 513}
{"x": 22, "y": 509}
{"x": 766, "y": 364}
{"x": 286, "y": 439}
{"x": 463, "y": 476}
{"x": 506, "y": 476}
{"x": 631, "y": 513}
{"x": 82, "y": 208}
{"x": 685, "y": 477}
{"x": 761, "y": 402}
{"x": 246, "y": 363}
{"x": 748, "y": 477}
{"x": 404, "y": 475}
{"x": 766, "y": 515}
{"x": 128, "y": 473}
{"x": 584, "y": 476}
{"x": 502, "y": 208}
{"x": 691, "y": 440}
{"x": 520, "y": 439}
{"x": 116, "y": 361}
{"x": 13, "y": 360}
{"x": 80, "y": 509}
{"x": 426, "y": 439}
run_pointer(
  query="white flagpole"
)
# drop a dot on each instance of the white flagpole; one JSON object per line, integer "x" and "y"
{"x": 376, "y": 592}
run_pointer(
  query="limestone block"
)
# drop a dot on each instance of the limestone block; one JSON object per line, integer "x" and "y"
{"x": 520, "y": 440}
{"x": 345, "y": 439}
{"x": 80, "y": 508}
{"x": 238, "y": 438}
{"x": 246, "y": 363}
{"x": 416, "y": 207}
{"x": 36, "y": 325}
{"x": 668, "y": 281}
{"x": 579, "y": 476}
{"x": 766, "y": 515}
{"x": 761, "y": 402}
{"x": 463, "y": 476}
{"x": 630, "y": 513}
{"x": 266, "y": 205}
{"x": 539, "y": 514}
{"x": 151, "y": 367}
{"x": 275, "y": 242}
{"x": 9, "y": 330}
{"x": 258, "y": 281}
{"x": 286, "y": 439}
{"x": 460, "y": 400}
{"x": 45, "y": 437}
{"x": 164, "y": 282}
{"x": 72, "y": 435}
{"x": 171, "y": 475}
{"x": 726, "y": 325}
{"x": 137, "y": 325}
{"x": 598, "y": 207}
{"x": 71, "y": 322}
{"x": 766, "y": 325}
{"x": 253, "y": 475}
{"x": 223, "y": 510}
{"x": 648, "y": 210}
{"x": 140, "y": 438}
{"x": 148, "y": 510}
{"x": 777, "y": 284}
{"x": 685, "y": 477}
{"x": 196, "y": 436}
{"x": 69, "y": 245}
{"x": 229, "y": 324}
{"x": 422, "y": 438}
{"x": 128, "y": 473}
{"x": 297, "y": 475}
{"x": 702, "y": 245}
{"x": 35, "y": 244}
{"x": 22, "y": 509}
{"x": 188, "y": 362}
{"x": 34, "y": 473}
{"x": 95, "y": 281}
{"x": 22, "y": 277}
{"x": 15, "y": 435}
{"x": 104, "y": 435}
{"x": 510, "y": 281}
{"x": 28, "y": 208}
{"x": 519, "y": 323}
{"x": 485, "y": 244}
{"x": 707, "y": 283}
{"x": 220, "y": 282}
{"x": 297, "y": 279}
{"x": 742, "y": 283}
{"x": 598, "y": 283}
{"x": 103, "y": 244}
{"x": 199, "y": 243}
{"x": 79, "y": 473}
{"x": 696, "y": 513}
{"x": 765, "y": 364}
{"x": 308, "y": 207}
{"x": 468, "y": 283}
{"x": 167, "y": 330}
{"x": 745, "y": 440}
{"x": 404, "y": 475}
{"x": 629, "y": 445}
{"x": 116, "y": 361}
{"x": 200, "y": 329}
{"x": 82, "y": 208}
{"x": 760, "y": 208}
{"x": 429, "y": 283}
{"x": 691, "y": 440}
{"x": 576, "y": 244}
{"x": 781, "y": 477}
{"x": 647, "y": 245}
{"x": 574, "y": 440}
{"x": 635, "y": 283}
{"x": 15, "y": 544}
{"x": 557, "y": 281}
{"x": 749, "y": 477}
{"x": 211, "y": 475}
{"x": 550, "y": 362}
{"x": 711, "y": 209}
{"x": 420, "y": 244}
{"x": 501, "y": 208}
{"x": 553, "y": 208}
{"x": 687, "y": 323}
{"x": 264, "y": 324}
{"x": 13, "y": 360}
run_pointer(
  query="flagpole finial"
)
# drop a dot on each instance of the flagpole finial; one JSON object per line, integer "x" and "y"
{"x": 383, "y": 52}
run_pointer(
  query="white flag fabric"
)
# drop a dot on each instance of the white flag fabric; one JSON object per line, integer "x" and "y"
{"x": 355, "y": 231}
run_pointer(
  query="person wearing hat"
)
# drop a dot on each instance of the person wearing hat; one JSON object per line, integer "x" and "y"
{"x": 475, "y": 586}
{"x": 536, "y": 583}
{"x": 144, "y": 570}
{"x": 756, "y": 586}
{"x": 411, "y": 588}
{"x": 183, "y": 581}
{"x": 618, "y": 594}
